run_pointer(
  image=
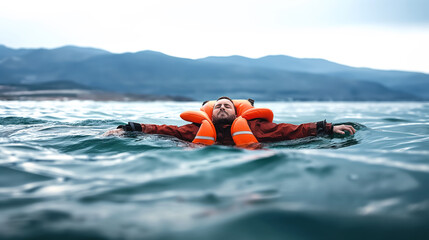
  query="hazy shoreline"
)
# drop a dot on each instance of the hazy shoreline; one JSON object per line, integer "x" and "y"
{"x": 154, "y": 75}
{"x": 12, "y": 93}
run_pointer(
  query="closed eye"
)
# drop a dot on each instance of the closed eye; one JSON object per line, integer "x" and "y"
{"x": 225, "y": 105}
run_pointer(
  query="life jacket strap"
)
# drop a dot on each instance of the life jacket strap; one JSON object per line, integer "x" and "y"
{"x": 206, "y": 134}
{"x": 241, "y": 133}
{"x": 205, "y": 138}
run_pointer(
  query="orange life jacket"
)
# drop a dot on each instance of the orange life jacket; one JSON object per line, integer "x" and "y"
{"x": 240, "y": 130}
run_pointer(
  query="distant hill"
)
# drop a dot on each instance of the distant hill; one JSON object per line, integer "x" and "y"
{"x": 62, "y": 54}
{"x": 6, "y": 52}
{"x": 412, "y": 83}
{"x": 153, "y": 73}
{"x": 282, "y": 62}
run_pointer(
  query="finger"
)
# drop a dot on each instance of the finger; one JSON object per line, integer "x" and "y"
{"x": 352, "y": 130}
{"x": 340, "y": 132}
{"x": 346, "y": 128}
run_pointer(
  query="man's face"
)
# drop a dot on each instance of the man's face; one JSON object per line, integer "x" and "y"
{"x": 223, "y": 112}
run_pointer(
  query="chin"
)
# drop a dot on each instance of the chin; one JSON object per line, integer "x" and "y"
{"x": 223, "y": 121}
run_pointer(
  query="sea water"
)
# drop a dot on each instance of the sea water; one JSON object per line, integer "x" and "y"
{"x": 61, "y": 178}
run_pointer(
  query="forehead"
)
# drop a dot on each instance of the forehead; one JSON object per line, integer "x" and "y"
{"x": 223, "y": 101}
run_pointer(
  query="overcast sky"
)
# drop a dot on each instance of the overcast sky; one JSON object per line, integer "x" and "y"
{"x": 383, "y": 34}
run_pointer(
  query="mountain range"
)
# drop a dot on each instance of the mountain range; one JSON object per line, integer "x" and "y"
{"x": 275, "y": 77}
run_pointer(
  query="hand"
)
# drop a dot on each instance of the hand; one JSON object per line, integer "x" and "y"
{"x": 114, "y": 132}
{"x": 342, "y": 128}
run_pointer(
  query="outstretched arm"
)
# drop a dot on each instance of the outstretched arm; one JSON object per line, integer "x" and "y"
{"x": 186, "y": 132}
{"x": 266, "y": 131}
{"x": 121, "y": 129}
{"x": 270, "y": 132}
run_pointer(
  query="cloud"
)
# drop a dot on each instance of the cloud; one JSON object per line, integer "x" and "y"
{"x": 317, "y": 13}
{"x": 403, "y": 12}
{"x": 347, "y": 31}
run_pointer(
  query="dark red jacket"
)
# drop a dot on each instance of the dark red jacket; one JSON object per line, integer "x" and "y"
{"x": 263, "y": 130}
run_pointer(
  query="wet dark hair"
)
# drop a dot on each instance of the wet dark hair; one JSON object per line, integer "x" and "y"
{"x": 251, "y": 101}
{"x": 224, "y": 97}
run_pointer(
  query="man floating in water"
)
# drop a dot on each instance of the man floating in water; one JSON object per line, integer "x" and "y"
{"x": 234, "y": 122}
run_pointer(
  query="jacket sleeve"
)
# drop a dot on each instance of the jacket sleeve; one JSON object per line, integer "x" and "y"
{"x": 186, "y": 132}
{"x": 265, "y": 131}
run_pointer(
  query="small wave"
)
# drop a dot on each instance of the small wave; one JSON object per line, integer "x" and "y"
{"x": 18, "y": 202}
{"x": 294, "y": 223}
{"x": 10, "y": 177}
{"x": 89, "y": 145}
{"x": 95, "y": 122}
{"x": 395, "y": 120}
{"x": 20, "y": 121}
{"x": 316, "y": 143}
{"x": 38, "y": 225}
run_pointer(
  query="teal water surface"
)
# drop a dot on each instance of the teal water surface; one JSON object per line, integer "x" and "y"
{"x": 60, "y": 178}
